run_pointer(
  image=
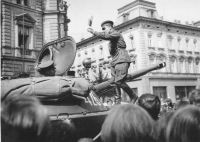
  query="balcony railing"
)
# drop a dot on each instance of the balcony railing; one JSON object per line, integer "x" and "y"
{"x": 161, "y": 49}
{"x": 172, "y": 51}
{"x": 151, "y": 48}
{"x": 196, "y": 53}
{"x": 18, "y": 52}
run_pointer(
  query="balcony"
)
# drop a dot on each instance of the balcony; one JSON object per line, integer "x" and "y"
{"x": 181, "y": 51}
{"x": 161, "y": 49}
{"x": 189, "y": 52}
{"x": 172, "y": 51}
{"x": 196, "y": 53}
{"x": 151, "y": 48}
{"x": 18, "y": 52}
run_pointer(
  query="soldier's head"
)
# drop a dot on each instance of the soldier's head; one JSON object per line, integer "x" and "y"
{"x": 107, "y": 26}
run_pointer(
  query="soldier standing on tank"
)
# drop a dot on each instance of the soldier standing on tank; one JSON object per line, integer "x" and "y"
{"x": 120, "y": 59}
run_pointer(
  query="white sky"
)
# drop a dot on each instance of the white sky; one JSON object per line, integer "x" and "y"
{"x": 79, "y": 12}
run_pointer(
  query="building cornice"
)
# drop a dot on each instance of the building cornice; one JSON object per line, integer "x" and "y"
{"x": 18, "y": 59}
{"x": 139, "y": 19}
{"x": 135, "y": 3}
{"x": 26, "y": 8}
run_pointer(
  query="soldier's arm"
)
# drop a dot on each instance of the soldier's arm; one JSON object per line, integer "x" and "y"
{"x": 102, "y": 35}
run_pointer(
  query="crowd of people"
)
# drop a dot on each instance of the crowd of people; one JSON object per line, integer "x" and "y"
{"x": 25, "y": 119}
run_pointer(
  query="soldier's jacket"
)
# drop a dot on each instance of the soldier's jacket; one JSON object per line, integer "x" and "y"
{"x": 117, "y": 46}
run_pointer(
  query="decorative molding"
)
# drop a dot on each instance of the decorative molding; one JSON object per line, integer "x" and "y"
{"x": 161, "y": 49}
{"x": 159, "y": 34}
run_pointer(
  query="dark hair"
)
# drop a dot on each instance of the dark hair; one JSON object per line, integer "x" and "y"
{"x": 194, "y": 97}
{"x": 126, "y": 123}
{"x": 63, "y": 131}
{"x": 26, "y": 118}
{"x": 184, "y": 126}
{"x": 151, "y": 103}
{"x": 161, "y": 126}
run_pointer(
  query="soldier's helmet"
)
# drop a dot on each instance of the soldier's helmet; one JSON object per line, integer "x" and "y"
{"x": 87, "y": 63}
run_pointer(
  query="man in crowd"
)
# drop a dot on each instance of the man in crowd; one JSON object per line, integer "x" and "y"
{"x": 120, "y": 59}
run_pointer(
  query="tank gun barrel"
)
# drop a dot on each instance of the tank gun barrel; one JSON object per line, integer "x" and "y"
{"x": 106, "y": 85}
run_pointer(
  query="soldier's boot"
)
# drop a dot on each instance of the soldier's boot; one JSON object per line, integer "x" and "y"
{"x": 117, "y": 96}
{"x": 133, "y": 97}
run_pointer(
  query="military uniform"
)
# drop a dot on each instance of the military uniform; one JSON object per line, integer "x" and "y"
{"x": 120, "y": 61}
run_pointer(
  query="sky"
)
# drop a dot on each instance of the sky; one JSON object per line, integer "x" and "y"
{"x": 80, "y": 11}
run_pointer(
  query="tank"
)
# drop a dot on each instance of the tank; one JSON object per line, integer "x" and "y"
{"x": 66, "y": 97}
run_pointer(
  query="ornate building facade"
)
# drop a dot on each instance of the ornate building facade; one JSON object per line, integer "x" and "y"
{"x": 26, "y": 26}
{"x": 151, "y": 40}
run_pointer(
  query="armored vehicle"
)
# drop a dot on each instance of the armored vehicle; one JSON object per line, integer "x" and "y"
{"x": 65, "y": 97}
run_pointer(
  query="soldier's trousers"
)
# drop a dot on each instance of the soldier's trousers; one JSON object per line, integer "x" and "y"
{"x": 119, "y": 73}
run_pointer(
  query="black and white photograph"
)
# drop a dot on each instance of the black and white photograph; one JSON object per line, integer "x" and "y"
{"x": 100, "y": 70}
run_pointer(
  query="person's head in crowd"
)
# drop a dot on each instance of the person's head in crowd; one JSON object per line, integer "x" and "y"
{"x": 110, "y": 102}
{"x": 151, "y": 103}
{"x": 161, "y": 126}
{"x": 184, "y": 125}
{"x": 194, "y": 97}
{"x": 182, "y": 103}
{"x": 127, "y": 123}
{"x": 63, "y": 131}
{"x": 24, "y": 120}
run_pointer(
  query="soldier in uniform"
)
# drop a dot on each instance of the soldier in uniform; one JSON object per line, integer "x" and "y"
{"x": 120, "y": 59}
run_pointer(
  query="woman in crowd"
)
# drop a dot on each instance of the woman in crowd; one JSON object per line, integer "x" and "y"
{"x": 24, "y": 119}
{"x": 161, "y": 126}
{"x": 184, "y": 126}
{"x": 127, "y": 123}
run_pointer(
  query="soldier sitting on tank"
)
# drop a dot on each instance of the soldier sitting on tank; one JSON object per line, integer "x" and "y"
{"x": 120, "y": 59}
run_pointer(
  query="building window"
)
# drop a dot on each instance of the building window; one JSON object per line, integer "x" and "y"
{"x": 23, "y": 40}
{"x": 182, "y": 65}
{"x": 197, "y": 65}
{"x": 173, "y": 64}
{"x": 132, "y": 41}
{"x": 93, "y": 55}
{"x": 22, "y": 2}
{"x": 190, "y": 65}
{"x": 159, "y": 40}
{"x": 150, "y": 39}
{"x": 187, "y": 44}
{"x": 101, "y": 52}
{"x": 86, "y": 54}
{"x": 161, "y": 92}
{"x": 183, "y": 91}
{"x": 125, "y": 17}
{"x": 179, "y": 43}
{"x": 195, "y": 45}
